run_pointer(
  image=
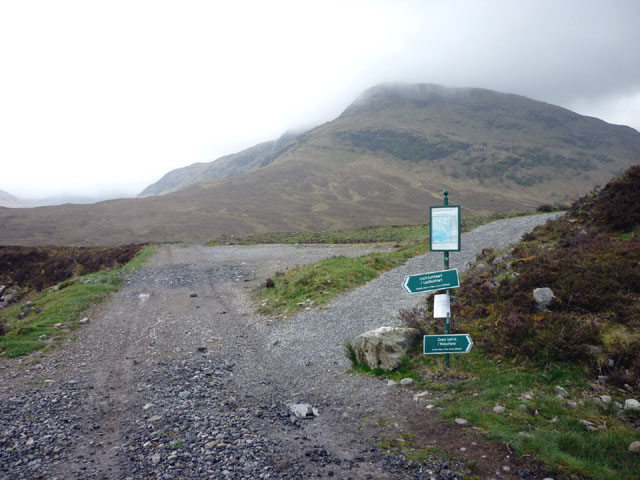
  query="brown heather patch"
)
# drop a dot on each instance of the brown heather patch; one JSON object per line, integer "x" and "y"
{"x": 41, "y": 267}
{"x": 593, "y": 268}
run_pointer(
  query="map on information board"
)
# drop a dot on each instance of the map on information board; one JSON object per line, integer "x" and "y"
{"x": 445, "y": 228}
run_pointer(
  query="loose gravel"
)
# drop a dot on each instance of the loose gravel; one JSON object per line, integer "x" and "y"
{"x": 177, "y": 377}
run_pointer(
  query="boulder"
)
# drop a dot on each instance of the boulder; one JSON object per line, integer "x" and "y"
{"x": 631, "y": 404}
{"x": 634, "y": 447}
{"x": 385, "y": 347}
{"x": 543, "y": 298}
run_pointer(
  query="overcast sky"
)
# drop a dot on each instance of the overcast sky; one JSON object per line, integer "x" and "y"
{"x": 104, "y": 97}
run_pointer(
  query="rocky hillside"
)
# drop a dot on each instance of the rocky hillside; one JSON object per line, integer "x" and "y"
{"x": 569, "y": 292}
{"x": 383, "y": 161}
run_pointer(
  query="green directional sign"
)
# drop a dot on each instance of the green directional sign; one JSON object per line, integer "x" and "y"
{"x": 456, "y": 343}
{"x": 427, "y": 282}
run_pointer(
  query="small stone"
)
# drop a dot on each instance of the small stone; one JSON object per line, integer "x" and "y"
{"x": 146, "y": 444}
{"x": 506, "y": 469}
{"x": 631, "y": 404}
{"x": 591, "y": 427}
{"x": 155, "y": 418}
{"x": 147, "y": 406}
{"x": 303, "y": 410}
{"x": 634, "y": 447}
{"x": 461, "y": 421}
{"x": 391, "y": 383}
{"x": 202, "y": 349}
{"x": 83, "y": 321}
{"x": 406, "y": 381}
{"x": 193, "y": 295}
{"x": 155, "y": 458}
{"x": 603, "y": 378}
{"x": 499, "y": 409}
{"x": 561, "y": 391}
{"x": 571, "y": 404}
{"x": 184, "y": 394}
{"x": 29, "y": 442}
{"x": 605, "y": 399}
{"x": 420, "y": 396}
{"x": 618, "y": 405}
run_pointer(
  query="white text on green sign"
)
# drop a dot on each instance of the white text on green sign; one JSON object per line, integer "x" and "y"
{"x": 439, "y": 344}
{"x": 427, "y": 282}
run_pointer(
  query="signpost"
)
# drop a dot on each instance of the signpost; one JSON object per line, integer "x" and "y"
{"x": 427, "y": 282}
{"x": 439, "y": 344}
{"x": 444, "y": 236}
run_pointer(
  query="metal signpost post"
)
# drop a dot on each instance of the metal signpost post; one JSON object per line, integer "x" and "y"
{"x": 444, "y": 236}
{"x": 444, "y": 227}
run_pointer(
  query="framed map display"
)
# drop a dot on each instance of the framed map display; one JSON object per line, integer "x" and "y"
{"x": 444, "y": 231}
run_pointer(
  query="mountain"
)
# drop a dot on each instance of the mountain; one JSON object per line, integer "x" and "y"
{"x": 9, "y": 201}
{"x": 472, "y": 134}
{"x": 260, "y": 155}
{"x": 384, "y": 160}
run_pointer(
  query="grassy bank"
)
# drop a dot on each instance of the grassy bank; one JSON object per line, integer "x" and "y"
{"x": 315, "y": 285}
{"x": 536, "y": 420}
{"x": 49, "y": 316}
{"x": 398, "y": 234}
{"x": 551, "y": 381}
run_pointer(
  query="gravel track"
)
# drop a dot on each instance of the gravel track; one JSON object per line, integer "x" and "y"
{"x": 176, "y": 377}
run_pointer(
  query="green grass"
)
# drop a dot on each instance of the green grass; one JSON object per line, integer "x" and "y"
{"x": 400, "y": 234}
{"x": 403, "y": 235}
{"x": 61, "y": 308}
{"x": 542, "y": 426}
{"x": 317, "y": 284}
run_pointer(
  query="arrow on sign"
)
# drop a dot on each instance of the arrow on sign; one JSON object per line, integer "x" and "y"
{"x": 456, "y": 343}
{"x": 426, "y": 282}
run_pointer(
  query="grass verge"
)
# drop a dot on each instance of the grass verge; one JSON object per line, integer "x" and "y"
{"x": 403, "y": 235}
{"x": 400, "y": 234}
{"x": 50, "y": 315}
{"x": 536, "y": 421}
{"x": 317, "y": 284}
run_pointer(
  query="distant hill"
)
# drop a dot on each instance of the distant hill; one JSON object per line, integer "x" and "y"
{"x": 383, "y": 161}
{"x": 260, "y": 155}
{"x": 9, "y": 201}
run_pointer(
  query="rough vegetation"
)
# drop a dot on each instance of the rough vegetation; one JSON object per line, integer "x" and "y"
{"x": 590, "y": 259}
{"x": 41, "y": 267}
{"x": 35, "y": 320}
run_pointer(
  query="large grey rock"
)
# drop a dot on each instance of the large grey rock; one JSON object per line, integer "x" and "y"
{"x": 385, "y": 347}
{"x": 543, "y": 298}
{"x": 631, "y": 404}
{"x": 634, "y": 447}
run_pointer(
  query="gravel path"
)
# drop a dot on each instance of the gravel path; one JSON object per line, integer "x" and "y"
{"x": 176, "y": 377}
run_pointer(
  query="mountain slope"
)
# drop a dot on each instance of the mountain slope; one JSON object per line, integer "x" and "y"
{"x": 257, "y": 156}
{"x": 9, "y": 201}
{"x": 383, "y": 161}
